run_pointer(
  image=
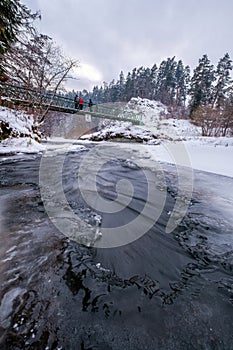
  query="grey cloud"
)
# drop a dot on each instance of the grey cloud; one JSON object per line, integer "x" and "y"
{"x": 120, "y": 35}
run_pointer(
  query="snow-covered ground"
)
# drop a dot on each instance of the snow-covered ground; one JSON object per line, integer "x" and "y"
{"x": 201, "y": 156}
{"x": 20, "y": 145}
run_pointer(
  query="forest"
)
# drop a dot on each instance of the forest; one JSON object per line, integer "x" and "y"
{"x": 205, "y": 95}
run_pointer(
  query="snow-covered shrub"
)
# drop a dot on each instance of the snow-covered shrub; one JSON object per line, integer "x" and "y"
{"x": 15, "y": 124}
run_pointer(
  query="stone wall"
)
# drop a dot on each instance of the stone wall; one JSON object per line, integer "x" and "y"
{"x": 69, "y": 126}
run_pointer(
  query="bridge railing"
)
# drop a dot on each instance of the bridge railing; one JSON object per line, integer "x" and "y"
{"x": 35, "y": 97}
{"x": 22, "y": 93}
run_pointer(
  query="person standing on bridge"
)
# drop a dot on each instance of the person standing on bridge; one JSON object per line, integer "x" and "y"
{"x": 81, "y": 103}
{"x": 76, "y": 102}
{"x": 90, "y": 104}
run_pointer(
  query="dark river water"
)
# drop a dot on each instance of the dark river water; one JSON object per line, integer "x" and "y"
{"x": 161, "y": 291}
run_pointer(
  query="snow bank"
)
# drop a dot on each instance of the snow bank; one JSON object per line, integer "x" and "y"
{"x": 20, "y": 145}
{"x": 211, "y": 141}
{"x": 18, "y": 132}
{"x": 204, "y": 156}
{"x": 19, "y": 122}
{"x": 211, "y": 155}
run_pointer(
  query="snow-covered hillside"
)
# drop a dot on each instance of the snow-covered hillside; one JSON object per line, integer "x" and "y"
{"x": 150, "y": 111}
{"x": 18, "y": 132}
{"x": 154, "y": 116}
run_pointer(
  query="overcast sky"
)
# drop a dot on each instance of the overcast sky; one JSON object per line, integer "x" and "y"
{"x": 108, "y": 36}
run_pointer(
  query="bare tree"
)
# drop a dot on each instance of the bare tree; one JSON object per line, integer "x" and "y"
{"x": 214, "y": 121}
{"x": 227, "y": 119}
{"x": 208, "y": 119}
{"x": 40, "y": 66}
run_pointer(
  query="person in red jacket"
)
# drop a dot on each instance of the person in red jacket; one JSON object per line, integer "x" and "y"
{"x": 80, "y": 103}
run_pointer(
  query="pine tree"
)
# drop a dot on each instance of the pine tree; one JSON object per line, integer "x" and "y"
{"x": 134, "y": 89}
{"x": 182, "y": 75}
{"x": 121, "y": 87}
{"x": 224, "y": 82}
{"x": 95, "y": 93}
{"x": 201, "y": 87}
{"x": 153, "y": 78}
{"x": 140, "y": 82}
{"x": 146, "y": 85}
{"x": 166, "y": 81}
{"x": 113, "y": 92}
{"x": 128, "y": 85}
{"x": 171, "y": 81}
{"x": 15, "y": 17}
{"x": 161, "y": 81}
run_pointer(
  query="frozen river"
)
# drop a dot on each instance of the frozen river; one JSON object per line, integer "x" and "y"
{"x": 79, "y": 270}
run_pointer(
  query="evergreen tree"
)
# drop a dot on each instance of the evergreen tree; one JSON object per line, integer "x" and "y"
{"x": 101, "y": 95}
{"x": 166, "y": 81}
{"x": 153, "y": 78}
{"x": 145, "y": 82}
{"x": 113, "y": 92}
{"x": 128, "y": 85}
{"x": 15, "y": 17}
{"x": 223, "y": 81}
{"x": 121, "y": 87}
{"x": 201, "y": 87}
{"x": 187, "y": 74}
{"x": 139, "y": 82}
{"x": 95, "y": 93}
{"x": 171, "y": 81}
{"x": 181, "y": 75}
{"x": 160, "y": 83}
{"x": 134, "y": 89}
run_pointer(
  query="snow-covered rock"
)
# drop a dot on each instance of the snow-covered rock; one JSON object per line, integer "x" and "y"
{"x": 151, "y": 111}
{"x": 155, "y": 116}
{"x": 125, "y": 132}
{"x": 18, "y": 132}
